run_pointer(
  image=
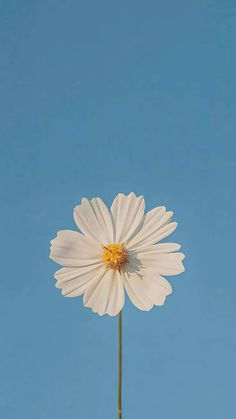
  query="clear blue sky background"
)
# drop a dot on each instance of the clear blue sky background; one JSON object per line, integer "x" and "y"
{"x": 99, "y": 97}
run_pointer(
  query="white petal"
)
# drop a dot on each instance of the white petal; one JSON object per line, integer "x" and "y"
{"x": 154, "y": 227}
{"x": 127, "y": 214}
{"x": 158, "y": 248}
{"x": 106, "y": 294}
{"x": 94, "y": 220}
{"x": 163, "y": 283}
{"x": 163, "y": 263}
{"x": 74, "y": 281}
{"x": 117, "y": 296}
{"x": 136, "y": 290}
{"x": 156, "y": 288}
{"x": 71, "y": 248}
{"x": 147, "y": 290}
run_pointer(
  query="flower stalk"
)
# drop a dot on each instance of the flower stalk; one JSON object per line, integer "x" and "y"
{"x": 119, "y": 376}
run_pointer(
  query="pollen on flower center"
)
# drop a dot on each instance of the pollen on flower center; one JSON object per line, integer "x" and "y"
{"x": 114, "y": 255}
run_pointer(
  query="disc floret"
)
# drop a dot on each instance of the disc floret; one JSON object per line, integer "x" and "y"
{"x": 114, "y": 255}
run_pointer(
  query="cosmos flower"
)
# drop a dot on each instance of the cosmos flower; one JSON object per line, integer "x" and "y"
{"x": 117, "y": 250}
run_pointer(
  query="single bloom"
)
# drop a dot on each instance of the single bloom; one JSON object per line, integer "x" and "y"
{"x": 117, "y": 250}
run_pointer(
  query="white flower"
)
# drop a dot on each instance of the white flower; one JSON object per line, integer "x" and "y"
{"x": 115, "y": 252}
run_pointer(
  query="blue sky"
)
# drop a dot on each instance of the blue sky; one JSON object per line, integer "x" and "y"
{"x": 97, "y": 98}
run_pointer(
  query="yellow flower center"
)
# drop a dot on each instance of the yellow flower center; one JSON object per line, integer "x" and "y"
{"x": 114, "y": 255}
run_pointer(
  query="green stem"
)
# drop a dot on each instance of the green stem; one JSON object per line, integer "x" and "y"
{"x": 119, "y": 380}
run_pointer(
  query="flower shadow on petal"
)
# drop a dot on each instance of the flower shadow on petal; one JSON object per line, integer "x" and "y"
{"x": 134, "y": 265}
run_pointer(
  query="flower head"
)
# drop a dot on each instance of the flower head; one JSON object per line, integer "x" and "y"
{"x": 117, "y": 250}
